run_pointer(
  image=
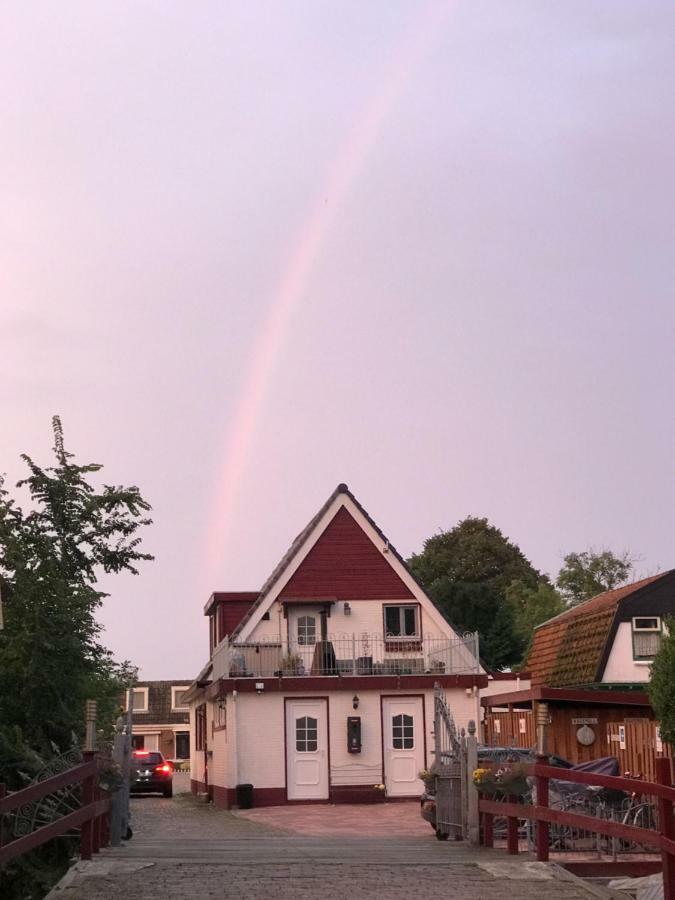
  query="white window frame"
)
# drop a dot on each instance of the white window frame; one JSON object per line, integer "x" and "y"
{"x": 138, "y": 690}
{"x": 654, "y": 629}
{"x": 174, "y": 688}
{"x": 400, "y": 607}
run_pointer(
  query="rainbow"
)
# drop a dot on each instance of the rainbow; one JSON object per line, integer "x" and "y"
{"x": 415, "y": 46}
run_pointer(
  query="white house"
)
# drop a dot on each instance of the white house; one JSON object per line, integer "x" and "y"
{"x": 320, "y": 685}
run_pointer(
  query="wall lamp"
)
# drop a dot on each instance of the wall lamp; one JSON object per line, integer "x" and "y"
{"x": 355, "y": 701}
{"x": 347, "y": 608}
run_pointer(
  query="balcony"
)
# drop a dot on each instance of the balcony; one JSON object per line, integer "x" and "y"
{"x": 347, "y": 655}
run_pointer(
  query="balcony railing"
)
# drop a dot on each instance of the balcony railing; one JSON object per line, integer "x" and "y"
{"x": 345, "y": 655}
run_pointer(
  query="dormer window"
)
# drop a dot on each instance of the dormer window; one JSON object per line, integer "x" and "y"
{"x": 401, "y": 622}
{"x": 646, "y": 637}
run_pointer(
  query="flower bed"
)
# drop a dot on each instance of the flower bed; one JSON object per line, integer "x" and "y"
{"x": 509, "y": 780}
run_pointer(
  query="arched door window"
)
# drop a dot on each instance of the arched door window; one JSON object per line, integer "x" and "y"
{"x": 403, "y": 737}
{"x": 306, "y": 740}
{"x": 306, "y": 630}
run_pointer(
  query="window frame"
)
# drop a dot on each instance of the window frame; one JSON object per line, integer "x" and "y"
{"x": 174, "y": 689}
{"x": 302, "y": 637}
{"x": 401, "y": 607}
{"x": 138, "y": 690}
{"x": 406, "y": 722}
{"x": 200, "y": 727}
{"x": 641, "y": 630}
{"x": 303, "y": 729}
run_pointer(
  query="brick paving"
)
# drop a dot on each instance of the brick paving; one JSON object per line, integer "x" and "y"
{"x": 186, "y": 849}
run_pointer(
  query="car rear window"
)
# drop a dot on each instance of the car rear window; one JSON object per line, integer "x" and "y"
{"x": 147, "y": 759}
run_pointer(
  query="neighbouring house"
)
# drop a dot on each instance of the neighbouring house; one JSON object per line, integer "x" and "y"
{"x": 161, "y": 718}
{"x": 590, "y": 667}
{"x": 320, "y": 686}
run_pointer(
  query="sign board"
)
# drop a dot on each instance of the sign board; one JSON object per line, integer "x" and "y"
{"x": 591, "y": 720}
{"x": 622, "y": 737}
{"x": 522, "y": 725}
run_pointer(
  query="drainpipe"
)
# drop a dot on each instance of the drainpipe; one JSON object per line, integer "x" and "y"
{"x": 235, "y": 741}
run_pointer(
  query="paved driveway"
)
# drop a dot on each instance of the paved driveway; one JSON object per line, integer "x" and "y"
{"x": 186, "y": 849}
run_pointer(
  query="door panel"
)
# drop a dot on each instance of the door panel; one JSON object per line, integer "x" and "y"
{"x": 304, "y": 632}
{"x": 403, "y": 723}
{"x": 307, "y": 749}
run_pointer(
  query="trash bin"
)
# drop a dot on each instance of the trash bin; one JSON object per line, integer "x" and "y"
{"x": 244, "y": 793}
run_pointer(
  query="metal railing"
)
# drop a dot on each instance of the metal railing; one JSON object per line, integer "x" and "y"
{"x": 347, "y": 654}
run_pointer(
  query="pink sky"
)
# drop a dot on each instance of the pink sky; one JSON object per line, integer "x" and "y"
{"x": 248, "y": 251}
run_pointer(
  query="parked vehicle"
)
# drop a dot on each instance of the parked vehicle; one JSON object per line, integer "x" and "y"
{"x": 151, "y": 773}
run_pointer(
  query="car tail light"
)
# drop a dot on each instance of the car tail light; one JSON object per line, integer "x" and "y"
{"x": 165, "y": 769}
{"x": 141, "y": 753}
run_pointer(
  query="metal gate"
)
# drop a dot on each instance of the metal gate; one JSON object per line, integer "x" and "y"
{"x": 449, "y": 770}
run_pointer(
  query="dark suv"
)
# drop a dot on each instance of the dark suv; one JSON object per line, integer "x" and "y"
{"x": 151, "y": 773}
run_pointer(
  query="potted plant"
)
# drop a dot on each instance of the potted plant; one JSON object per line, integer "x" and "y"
{"x": 291, "y": 664}
{"x": 508, "y": 780}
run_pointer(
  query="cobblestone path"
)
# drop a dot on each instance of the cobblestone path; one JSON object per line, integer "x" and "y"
{"x": 185, "y": 849}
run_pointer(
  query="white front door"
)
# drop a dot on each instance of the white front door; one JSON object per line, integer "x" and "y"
{"x": 307, "y": 749}
{"x": 403, "y": 723}
{"x": 304, "y": 631}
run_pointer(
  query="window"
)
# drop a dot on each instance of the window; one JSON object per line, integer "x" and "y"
{"x": 401, "y": 622}
{"x": 200, "y": 727}
{"x": 306, "y": 740}
{"x": 182, "y": 745}
{"x": 177, "y": 704}
{"x": 306, "y": 630}
{"x": 220, "y": 714}
{"x": 403, "y": 737}
{"x": 646, "y": 637}
{"x": 140, "y": 700}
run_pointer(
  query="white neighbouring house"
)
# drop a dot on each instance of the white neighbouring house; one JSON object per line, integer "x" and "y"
{"x": 320, "y": 686}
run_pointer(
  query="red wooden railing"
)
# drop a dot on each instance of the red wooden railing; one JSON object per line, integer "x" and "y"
{"x": 543, "y": 815}
{"x": 92, "y": 817}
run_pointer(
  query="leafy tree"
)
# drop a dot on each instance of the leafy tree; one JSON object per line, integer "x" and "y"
{"x": 586, "y": 574}
{"x": 531, "y": 607}
{"x": 51, "y": 659}
{"x": 662, "y": 684}
{"x": 467, "y": 571}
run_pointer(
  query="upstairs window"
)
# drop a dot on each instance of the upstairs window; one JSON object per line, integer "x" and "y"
{"x": 306, "y": 630}
{"x": 177, "y": 703}
{"x": 401, "y": 622}
{"x": 646, "y": 637}
{"x": 140, "y": 700}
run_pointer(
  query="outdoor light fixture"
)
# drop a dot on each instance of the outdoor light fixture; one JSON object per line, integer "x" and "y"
{"x": 355, "y": 701}
{"x": 259, "y": 687}
{"x": 222, "y": 703}
{"x": 347, "y": 608}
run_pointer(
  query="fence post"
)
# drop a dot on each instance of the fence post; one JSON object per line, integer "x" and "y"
{"x": 87, "y": 834}
{"x": 512, "y": 830}
{"x": 665, "y": 807}
{"x": 488, "y": 830}
{"x": 471, "y": 765}
{"x": 541, "y": 800}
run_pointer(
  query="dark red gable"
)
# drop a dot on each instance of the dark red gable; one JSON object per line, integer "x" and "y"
{"x": 345, "y": 564}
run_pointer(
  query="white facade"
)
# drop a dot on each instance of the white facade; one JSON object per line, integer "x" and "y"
{"x": 621, "y": 667}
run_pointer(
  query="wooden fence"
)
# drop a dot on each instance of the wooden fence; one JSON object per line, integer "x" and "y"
{"x": 92, "y": 816}
{"x": 662, "y": 839}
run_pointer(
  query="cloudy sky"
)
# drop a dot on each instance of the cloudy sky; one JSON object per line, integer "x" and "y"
{"x": 249, "y": 250}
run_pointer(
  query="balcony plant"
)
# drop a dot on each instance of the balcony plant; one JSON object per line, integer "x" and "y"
{"x": 291, "y": 664}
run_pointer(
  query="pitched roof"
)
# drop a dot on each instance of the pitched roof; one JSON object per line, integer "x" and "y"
{"x": 567, "y": 649}
{"x": 299, "y": 542}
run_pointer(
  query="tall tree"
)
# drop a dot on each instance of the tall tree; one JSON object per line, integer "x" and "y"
{"x": 467, "y": 572}
{"x": 51, "y": 658}
{"x": 532, "y": 606}
{"x": 586, "y": 574}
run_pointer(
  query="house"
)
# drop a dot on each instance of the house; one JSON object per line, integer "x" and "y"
{"x": 320, "y": 685}
{"x": 589, "y": 667}
{"x": 161, "y": 718}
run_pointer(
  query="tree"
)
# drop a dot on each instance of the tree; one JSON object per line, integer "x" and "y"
{"x": 586, "y": 574}
{"x": 531, "y": 607}
{"x": 662, "y": 684}
{"x": 467, "y": 572}
{"x": 51, "y": 659}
